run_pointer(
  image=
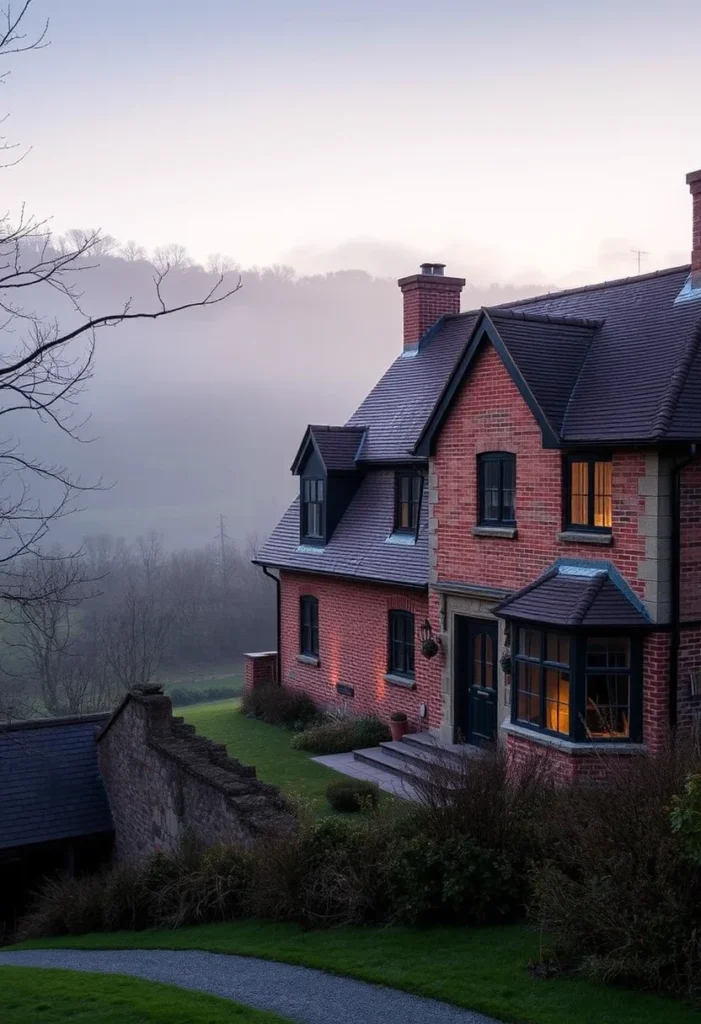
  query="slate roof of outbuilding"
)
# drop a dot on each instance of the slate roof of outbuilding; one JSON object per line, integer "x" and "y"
{"x": 575, "y": 595}
{"x": 359, "y": 547}
{"x": 50, "y": 785}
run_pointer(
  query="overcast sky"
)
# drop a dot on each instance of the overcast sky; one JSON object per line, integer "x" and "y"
{"x": 518, "y": 141}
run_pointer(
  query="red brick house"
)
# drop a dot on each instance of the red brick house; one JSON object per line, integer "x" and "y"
{"x": 523, "y": 487}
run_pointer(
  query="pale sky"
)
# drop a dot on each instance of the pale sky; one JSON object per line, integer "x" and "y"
{"x": 516, "y": 141}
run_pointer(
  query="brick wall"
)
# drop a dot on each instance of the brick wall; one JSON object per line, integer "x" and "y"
{"x": 591, "y": 766}
{"x": 490, "y": 415}
{"x": 426, "y": 299}
{"x": 260, "y": 669}
{"x": 162, "y": 779}
{"x": 690, "y": 542}
{"x": 353, "y": 647}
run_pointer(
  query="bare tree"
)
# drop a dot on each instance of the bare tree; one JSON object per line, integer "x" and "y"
{"x": 172, "y": 257}
{"x": 44, "y": 363}
{"x": 131, "y": 251}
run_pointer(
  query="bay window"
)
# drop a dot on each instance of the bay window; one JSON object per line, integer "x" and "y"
{"x": 585, "y": 687}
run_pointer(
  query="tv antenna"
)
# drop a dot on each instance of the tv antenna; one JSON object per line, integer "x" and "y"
{"x": 640, "y": 253}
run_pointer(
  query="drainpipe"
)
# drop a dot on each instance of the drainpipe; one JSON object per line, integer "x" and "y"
{"x": 676, "y": 582}
{"x": 271, "y": 576}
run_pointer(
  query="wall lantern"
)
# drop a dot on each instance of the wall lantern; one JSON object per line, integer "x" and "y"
{"x": 429, "y": 644}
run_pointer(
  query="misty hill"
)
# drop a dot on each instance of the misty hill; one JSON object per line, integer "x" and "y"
{"x": 200, "y": 413}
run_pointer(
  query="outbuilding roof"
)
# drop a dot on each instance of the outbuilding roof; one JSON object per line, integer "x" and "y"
{"x": 50, "y": 784}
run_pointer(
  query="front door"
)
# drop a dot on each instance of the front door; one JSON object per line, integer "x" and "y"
{"x": 476, "y": 679}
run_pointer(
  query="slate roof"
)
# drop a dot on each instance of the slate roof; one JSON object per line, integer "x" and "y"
{"x": 359, "y": 546}
{"x": 50, "y": 786}
{"x": 338, "y": 447}
{"x": 396, "y": 410}
{"x": 579, "y": 594}
{"x": 618, "y": 362}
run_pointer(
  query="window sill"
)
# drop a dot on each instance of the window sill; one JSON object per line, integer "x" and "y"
{"x": 308, "y": 659}
{"x": 567, "y": 746}
{"x": 404, "y": 681}
{"x": 582, "y": 537}
{"x": 399, "y": 537}
{"x": 505, "y": 532}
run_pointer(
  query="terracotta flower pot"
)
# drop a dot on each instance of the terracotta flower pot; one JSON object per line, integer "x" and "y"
{"x": 398, "y": 729}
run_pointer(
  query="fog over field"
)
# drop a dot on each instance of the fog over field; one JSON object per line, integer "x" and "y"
{"x": 200, "y": 414}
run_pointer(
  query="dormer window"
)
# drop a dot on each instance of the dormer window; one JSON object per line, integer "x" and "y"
{"x": 407, "y": 501}
{"x": 313, "y": 509}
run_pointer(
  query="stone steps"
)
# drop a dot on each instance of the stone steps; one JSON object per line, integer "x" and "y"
{"x": 410, "y": 757}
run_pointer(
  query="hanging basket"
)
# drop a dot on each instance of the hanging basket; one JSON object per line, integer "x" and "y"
{"x": 429, "y": 648}
{"x": 505, "y": 663}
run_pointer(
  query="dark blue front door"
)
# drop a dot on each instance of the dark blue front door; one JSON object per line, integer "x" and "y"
{"x": 476, "y": 679}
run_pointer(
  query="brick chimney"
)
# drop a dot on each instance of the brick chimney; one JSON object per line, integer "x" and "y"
{"x": 693, "y": 180}
{"x": 429, "y": 295}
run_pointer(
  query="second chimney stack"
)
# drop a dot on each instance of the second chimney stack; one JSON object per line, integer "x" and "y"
{"x": 427, "y": 297}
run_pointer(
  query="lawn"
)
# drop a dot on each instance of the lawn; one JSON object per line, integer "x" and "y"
{"x": 34, "y": 994}
{"x": 481, "y": 969}
{"x": 267, "y": 747}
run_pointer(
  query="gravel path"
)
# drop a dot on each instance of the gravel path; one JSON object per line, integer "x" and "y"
{"x": 299, "y": 993}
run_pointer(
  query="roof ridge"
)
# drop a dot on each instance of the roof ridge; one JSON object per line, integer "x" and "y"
{"x": 544, "y": 318}
{"x": 673, "y": 392}
{"x": 46, "y": 723}
{"x": 591, "y": 592}
{"x": 581, "y": 289}
{"x": 328, "y": 427}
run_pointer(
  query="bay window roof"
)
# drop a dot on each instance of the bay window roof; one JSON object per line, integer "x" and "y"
{"x": 577, "y": 594}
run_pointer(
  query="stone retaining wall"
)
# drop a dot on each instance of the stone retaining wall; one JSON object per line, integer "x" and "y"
{"x": 162, "y": 780}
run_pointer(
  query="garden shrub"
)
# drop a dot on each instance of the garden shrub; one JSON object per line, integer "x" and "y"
{"x": 618, "y": 891}
{"x": 279, "y": 705}
{"x": 353, "y": 795}
{"x": 66, "y": 906}
{"x": 342, "y": 735}
{"x": 453, "y": 881}
{"x": 686, "y": 818}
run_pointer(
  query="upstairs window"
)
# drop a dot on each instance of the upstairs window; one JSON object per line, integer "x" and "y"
{"x": 407, "y": 502}
{"x": 309, "y": 626}
{"x": 313, "y": 509}
{"x": 401, "y": 644}
{"x": 497, "y": 489}
{"x": 588, "y": 502}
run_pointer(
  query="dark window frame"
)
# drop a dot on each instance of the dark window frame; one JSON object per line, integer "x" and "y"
{"x": 501, "y": 459}
{"x": 309, "y": 483}
{"x": 578, "y": 672}
{"x": 309, "y": 625}
{"x": 591, "y": 458}
{"x": 416, "y": 489}
{"x": 401, "y": 627}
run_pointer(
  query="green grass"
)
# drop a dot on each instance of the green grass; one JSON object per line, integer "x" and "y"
{"x": 481, "y": 969}
{"x": 268, "y": 748}
{"x": 37, "y": 995}
{"x": 204, "y": 681}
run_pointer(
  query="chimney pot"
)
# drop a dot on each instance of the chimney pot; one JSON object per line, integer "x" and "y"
{"x": 428, "y": 296}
